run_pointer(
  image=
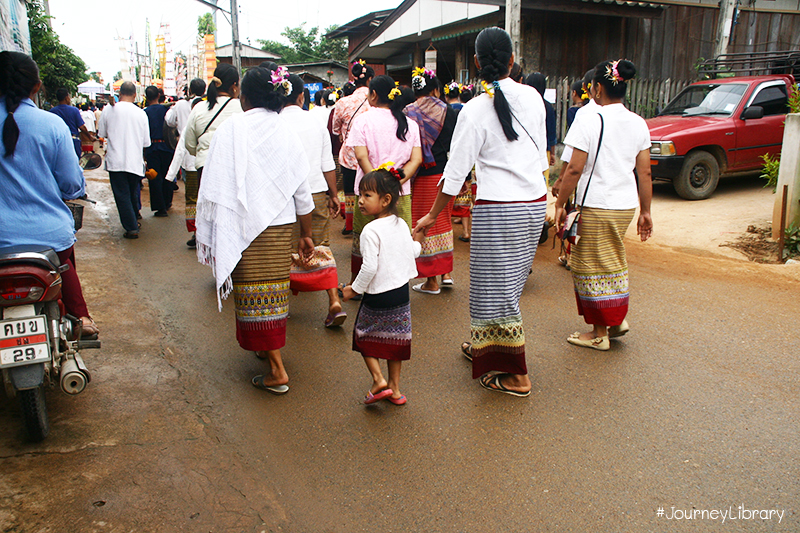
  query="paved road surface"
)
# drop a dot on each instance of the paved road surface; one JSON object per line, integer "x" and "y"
{"x": 697, "y": 409}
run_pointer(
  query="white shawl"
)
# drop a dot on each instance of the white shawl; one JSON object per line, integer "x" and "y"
{"x": 252, "y": 171}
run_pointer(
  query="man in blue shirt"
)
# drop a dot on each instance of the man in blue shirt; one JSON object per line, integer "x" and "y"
{"x": 72, "y": 117}
{"x": 159, "y": 154}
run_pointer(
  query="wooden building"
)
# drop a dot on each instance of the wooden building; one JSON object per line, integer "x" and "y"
{"x": 564, "y": 38}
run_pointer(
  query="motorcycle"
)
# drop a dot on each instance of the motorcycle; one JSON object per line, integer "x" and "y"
{"x": 39, "y": 343}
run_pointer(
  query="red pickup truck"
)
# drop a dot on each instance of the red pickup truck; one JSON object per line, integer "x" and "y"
{"x": 717, "y": 127}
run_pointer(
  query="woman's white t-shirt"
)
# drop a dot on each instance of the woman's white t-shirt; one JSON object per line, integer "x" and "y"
{"x": 625, "y": 134}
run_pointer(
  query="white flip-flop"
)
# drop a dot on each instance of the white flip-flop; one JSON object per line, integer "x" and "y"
{"x": 418, "y": 288}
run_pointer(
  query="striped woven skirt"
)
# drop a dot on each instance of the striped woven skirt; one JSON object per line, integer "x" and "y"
{"x": 503, "y": 245}
{"x": 599, "y": 266}
{"x": 383, "y": 325}
{"x": 192, "y": 186}
{"x": 462, "y": 204}
{"x": 436, "y": 257}
{"x": 360, "y": 220}
{"x": 261, "y": 290}
{"x": 320, "y": 273}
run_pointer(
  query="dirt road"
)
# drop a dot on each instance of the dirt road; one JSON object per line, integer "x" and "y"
{"x": 695, "y": 408}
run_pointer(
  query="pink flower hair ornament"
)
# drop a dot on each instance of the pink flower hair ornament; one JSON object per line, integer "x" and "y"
{"x": 280, "y": 79}
{"x": 612, "y": 73}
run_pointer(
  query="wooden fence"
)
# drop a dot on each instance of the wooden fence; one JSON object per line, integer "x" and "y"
{"x": 643, "y": 98}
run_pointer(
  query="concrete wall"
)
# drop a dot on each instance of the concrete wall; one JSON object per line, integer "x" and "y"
{"x": 789, "y": 175}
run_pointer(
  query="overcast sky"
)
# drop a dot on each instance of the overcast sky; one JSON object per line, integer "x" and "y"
{"x": 91, "y": 32}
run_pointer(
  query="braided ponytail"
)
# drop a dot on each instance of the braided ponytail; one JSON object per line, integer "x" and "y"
{"x": 494, "y": 50}
{"x": 18, "y": 76}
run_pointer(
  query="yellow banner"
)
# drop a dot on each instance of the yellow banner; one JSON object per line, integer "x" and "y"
{"x": 210, "y": 53}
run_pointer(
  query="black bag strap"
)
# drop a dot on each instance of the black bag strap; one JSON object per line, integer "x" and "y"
{"x": 596, "y": 155}
{"x": 524, "y": 128}
{"x": 354, "y": 116}
{"x": 215, "y": 116}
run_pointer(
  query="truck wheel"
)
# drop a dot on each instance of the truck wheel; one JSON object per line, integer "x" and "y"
{"x": 699, "y": 176}
{"x": 34, "y": 413}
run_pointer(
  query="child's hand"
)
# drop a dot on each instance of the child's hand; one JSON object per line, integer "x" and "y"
{"x": 419, "y": 234}
{"x": 348, "y": 292}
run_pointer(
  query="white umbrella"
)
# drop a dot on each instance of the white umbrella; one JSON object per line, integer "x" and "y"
{"x": 91, "y": 89}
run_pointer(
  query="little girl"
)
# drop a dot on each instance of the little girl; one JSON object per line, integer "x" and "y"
{"x": 383, "y": 324}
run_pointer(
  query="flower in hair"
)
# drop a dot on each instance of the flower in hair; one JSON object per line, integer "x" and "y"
{"x": 468, "y": 87}
{"x": 488, "y": 89}
{"x": 394, "y": 93}
{"x": 452, "y": 87}
{"x": 389, "y": 166}
{"x": 612, "y": 73}
{"x": 280, "y": 78}
{"x": 586, "y": 90}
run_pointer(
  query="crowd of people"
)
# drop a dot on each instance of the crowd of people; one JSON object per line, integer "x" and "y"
{"x": 264, "y": 179}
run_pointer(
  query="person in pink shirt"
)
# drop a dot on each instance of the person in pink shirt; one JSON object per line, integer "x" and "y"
{"x": 383, "y": 135}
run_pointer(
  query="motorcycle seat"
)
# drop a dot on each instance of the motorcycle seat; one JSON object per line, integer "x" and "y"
{"x": 41, "y": 255}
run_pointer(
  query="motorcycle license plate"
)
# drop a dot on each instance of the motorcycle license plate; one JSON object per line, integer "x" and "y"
{"x": 23, "y": 341}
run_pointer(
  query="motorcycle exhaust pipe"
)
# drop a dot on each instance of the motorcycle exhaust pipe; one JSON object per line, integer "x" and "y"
{"x": 73, "y": 380}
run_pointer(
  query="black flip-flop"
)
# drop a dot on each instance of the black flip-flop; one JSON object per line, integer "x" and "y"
{"x": 466, "y": 349}
{"x": 463, "y": 239}
{"x": 258, "y": 382}
{"x": 493, "y": 383}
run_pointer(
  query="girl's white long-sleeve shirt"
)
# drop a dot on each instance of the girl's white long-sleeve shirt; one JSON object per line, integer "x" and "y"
{"x": 388, "y": 254}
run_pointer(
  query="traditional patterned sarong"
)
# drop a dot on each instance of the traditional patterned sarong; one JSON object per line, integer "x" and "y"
{"x": 436, "y": 257}
{"x": 503, "y": 245}
{"x": 599, "y": 266}
{"x": 320, "y": 273}
{"x": 192, "y": 186}
{"x": 429, "y": 113}
{"x": 360, "y": 220}
{"x": 462, "y": 204}
{"x": 383, "y": 325}
{"x": 261, "y": 290}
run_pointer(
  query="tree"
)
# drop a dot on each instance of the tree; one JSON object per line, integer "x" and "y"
{"x": 205, "y": 25}
{"x": 307, "y": 46}
{"x": 95, "y": 76}
{"x": 58, "y": 64}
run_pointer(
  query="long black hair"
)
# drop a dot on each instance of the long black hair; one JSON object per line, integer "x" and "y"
{"x": 494, "y": 50}
{"x": 258, "y": 89}
{"x": 362, "y": 74}
{"x": 382, "y": 181}
{"x": 19, "y": 74}
{"x": 382, "y": 86}
{"x": 226, "y": 75}
{"x": 614, "y": 76}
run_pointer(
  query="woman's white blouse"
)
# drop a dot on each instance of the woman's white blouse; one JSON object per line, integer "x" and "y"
{"x": 505, "y": 170}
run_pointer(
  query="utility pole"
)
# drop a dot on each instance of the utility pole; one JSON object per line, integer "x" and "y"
{"x": 724, "y": 26}
{"x": 236, "y": 53}
{"x": 513, "y": 26}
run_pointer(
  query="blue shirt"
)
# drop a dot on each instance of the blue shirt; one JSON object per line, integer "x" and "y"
{"x": 155, "y": 117}
{"x": 74, "y": 120}
{"x": 43, "y": 170}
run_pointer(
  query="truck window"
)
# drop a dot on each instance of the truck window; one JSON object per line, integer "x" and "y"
{"x": 773, "y": 99}
{"x": 706, "y": 99}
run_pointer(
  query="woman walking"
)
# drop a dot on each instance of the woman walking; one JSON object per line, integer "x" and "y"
{"x": 204, "y": 119}
{"x": 318, "y": 274}
{"x": 254, "y": 188}
{"x": 344, "y": 114}
{"x": 501, "y": 133}
{"x": 608, "y": 147}
{"x": 436, "y": 121}
{"x": 382, "y": 135}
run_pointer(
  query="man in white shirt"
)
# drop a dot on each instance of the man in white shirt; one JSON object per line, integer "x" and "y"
{"x": 88, "y": 118}
{"x": 178, "y": 114}
{"x": 127, "y": 132}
